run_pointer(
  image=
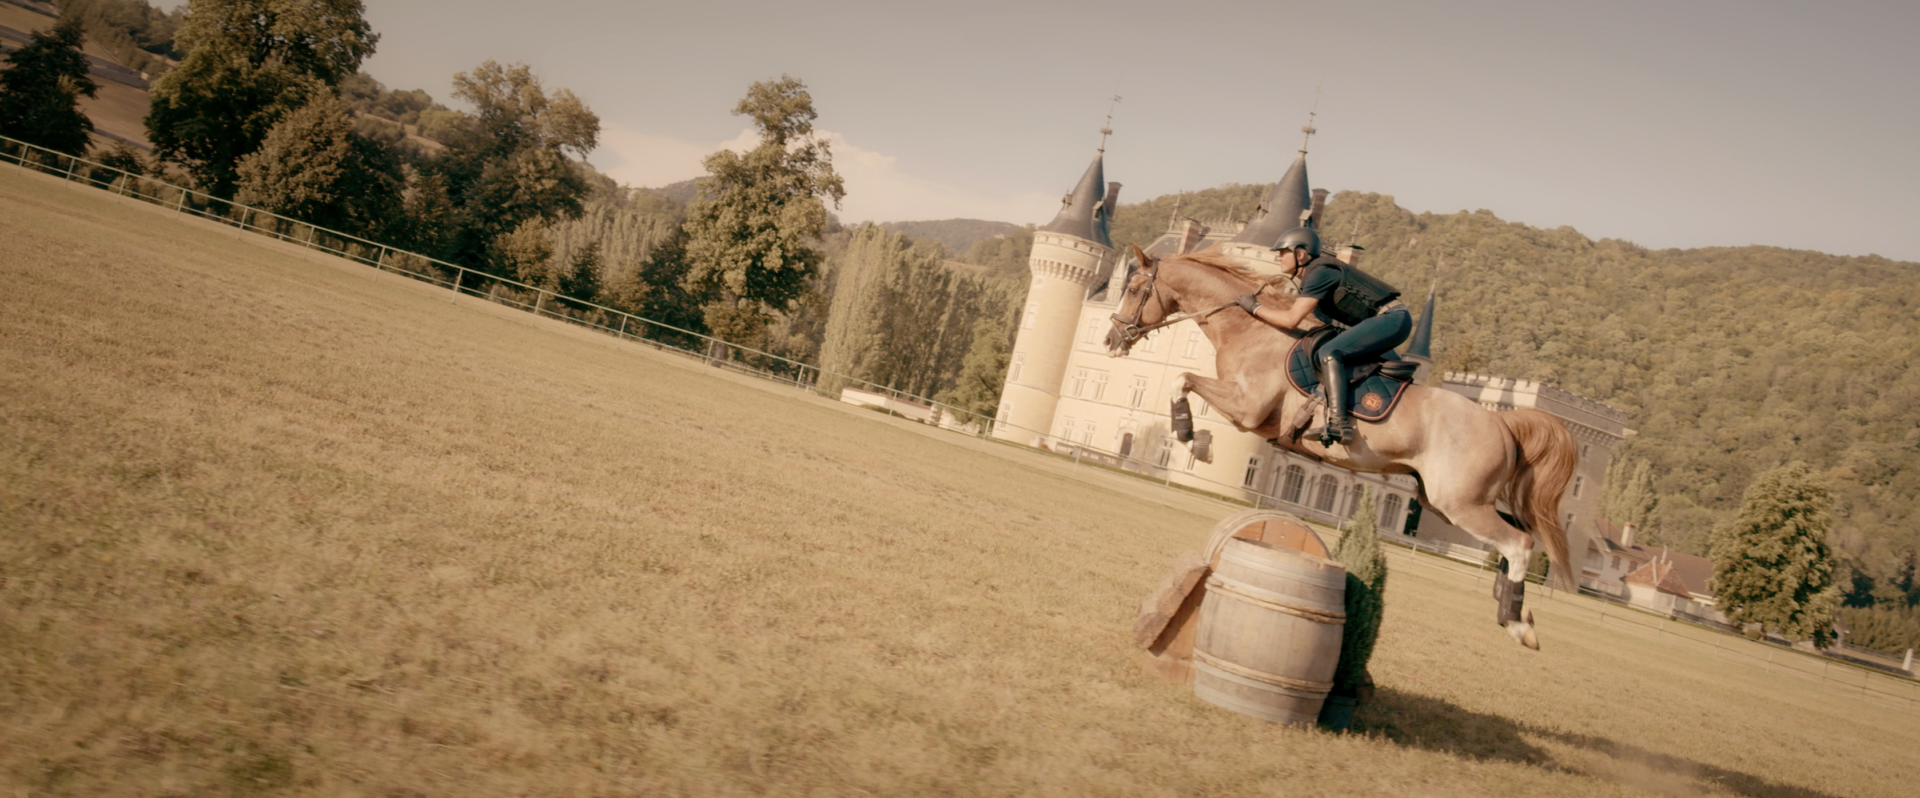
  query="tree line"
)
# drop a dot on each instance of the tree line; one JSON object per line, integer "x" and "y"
{"x": 267, "y": 107}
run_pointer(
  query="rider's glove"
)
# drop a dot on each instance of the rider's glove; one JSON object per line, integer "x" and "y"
{"x": 1249, "y": 303}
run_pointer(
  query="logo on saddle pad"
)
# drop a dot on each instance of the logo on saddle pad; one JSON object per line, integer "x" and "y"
{"x": 1372, "y": 402}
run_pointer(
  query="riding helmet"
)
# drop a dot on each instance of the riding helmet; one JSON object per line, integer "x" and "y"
{"x": 1300, "y": 238}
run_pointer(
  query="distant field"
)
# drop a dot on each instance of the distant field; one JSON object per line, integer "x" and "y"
{"x": 277, "y": 524}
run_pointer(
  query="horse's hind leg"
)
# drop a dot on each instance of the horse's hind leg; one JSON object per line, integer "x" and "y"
{"x": 1510, "y": 584}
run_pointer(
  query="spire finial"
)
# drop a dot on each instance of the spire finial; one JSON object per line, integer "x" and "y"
{"x": 1107, "y": 129}
{"x": 1308, "y": 128}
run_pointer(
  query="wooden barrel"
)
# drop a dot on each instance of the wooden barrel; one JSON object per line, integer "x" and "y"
{"x": 1268, "y": 635}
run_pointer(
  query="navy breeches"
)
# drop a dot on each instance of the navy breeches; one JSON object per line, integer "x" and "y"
{"x": 1374, "y": 336}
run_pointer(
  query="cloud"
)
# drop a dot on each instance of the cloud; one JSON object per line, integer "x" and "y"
{"x": 878, "y": 190}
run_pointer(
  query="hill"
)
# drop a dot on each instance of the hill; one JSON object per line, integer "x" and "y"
{"x": 957, "y": 235}
{"x": 280, "y": 524}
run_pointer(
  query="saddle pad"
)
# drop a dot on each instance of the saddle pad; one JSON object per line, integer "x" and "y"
{"x": 1374, "y": 396}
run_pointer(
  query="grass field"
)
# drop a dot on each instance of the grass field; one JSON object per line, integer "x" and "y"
{"x": 273, "y": 524}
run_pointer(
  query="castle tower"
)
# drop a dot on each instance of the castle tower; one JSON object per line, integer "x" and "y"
{"x": 1071, "y": 255}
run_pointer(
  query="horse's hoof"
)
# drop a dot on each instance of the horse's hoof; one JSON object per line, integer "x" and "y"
{"x": 1522, "y": 632}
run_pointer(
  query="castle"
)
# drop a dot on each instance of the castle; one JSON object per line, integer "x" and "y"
{"x": 1064, "y": 393}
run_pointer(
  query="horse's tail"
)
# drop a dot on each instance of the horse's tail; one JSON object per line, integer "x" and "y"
{"x": 1544, "y": 465}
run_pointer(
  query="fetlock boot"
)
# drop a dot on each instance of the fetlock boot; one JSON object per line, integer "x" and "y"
{"x": 1333, "y": 380}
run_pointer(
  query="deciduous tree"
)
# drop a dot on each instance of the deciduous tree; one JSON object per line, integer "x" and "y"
{"x": 41, "y": 88}
{"x": 249, "y": 63}
{"x": 312, "y": 167}
{"x": 1772, "y": 564}
{"x": 752, "y": 230}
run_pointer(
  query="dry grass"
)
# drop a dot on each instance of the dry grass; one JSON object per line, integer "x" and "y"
{"x": 277, "y": 524}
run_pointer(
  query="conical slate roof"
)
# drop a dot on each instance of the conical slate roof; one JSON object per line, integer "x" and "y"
{"x": 1081, "y": 213}
{"x": 1281, "y": 212}
{"x": 1421, "y": 345}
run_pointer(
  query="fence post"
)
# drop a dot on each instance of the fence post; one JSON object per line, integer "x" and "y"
{"x": 70, "y": 162}
{"x": 179, "y": 201}
{"x": 459, "y": 274}
{"x": 1769, "y": 661}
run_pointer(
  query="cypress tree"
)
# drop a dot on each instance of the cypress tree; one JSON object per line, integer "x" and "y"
{"x": 1772, "y": 563}
{"x": 1359, "y": 551}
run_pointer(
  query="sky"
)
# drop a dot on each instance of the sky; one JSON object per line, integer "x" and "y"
{"x": 1682, "y": 123}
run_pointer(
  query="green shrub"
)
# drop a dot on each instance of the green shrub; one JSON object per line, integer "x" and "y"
{"x": 1359, "y": 551}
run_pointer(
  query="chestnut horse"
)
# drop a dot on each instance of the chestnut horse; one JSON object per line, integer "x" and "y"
{"x": 1466, "y": 458}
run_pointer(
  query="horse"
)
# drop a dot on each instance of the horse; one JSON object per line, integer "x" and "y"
{"x": 1466, "y": 459}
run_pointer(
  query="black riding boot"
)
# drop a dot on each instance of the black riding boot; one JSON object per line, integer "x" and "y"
{"x": 1333, "y": 380}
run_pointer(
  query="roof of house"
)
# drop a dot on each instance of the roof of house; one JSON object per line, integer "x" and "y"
{"x": 1661, "y": 575}
{"x": 1692, "y": 572}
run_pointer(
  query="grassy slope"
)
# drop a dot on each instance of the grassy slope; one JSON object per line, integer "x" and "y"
{"x": 276, "y": 523}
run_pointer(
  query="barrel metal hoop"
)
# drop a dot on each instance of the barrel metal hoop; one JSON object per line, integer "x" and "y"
{"x": 1244, "y": 672}
{"x": 1267, "y": 599}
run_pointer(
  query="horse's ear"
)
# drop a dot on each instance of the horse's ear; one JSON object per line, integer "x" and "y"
{"x": 1141, "y": 257}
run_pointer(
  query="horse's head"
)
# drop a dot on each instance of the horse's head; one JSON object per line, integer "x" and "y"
{"x": 1144, "y": 303}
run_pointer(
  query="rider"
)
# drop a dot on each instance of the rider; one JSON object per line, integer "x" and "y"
{"x": 1334, "y": 292}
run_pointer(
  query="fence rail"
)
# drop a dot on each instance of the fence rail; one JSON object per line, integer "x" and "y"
{"x": 460, "y": 280}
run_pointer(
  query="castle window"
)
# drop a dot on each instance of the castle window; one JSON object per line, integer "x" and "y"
{"x": 1079, "y": 382}
{"x": 1093, "y": 331}
{"x": 1253, "y": 470}
{"x": 1583, "y": 450}
{"x": 1296, "y": 481}
{"x": 1066, "y": 428}
{"x": 1390, "y": 519}
{"x": 1019, "y": 362}
{"x": 1191, "y": 459}
{"x": 1193, "y": 344}
{"x": 1033, "y": 309}
{"x": 1616, "y": 563}
{"x": 1166, "y": 452}
{"x": 1576, "y": 486}
{"x": 1139, "y": 396}
{"x": 1086, "y": 434}
{"x": 1099, "y": 385}
{"x": 1324, "y": 496}
{"x": 1569, "y": 523}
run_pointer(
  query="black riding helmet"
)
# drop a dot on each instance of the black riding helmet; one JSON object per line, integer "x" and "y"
{"x": 1300, "y": 238}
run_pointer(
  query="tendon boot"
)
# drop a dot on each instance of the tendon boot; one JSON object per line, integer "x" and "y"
{"x": 1181, "y": 420}
{"x": 1333, "y": 381}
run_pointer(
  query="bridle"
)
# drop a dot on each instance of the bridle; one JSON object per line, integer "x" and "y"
{"x": 1132, "y": 330}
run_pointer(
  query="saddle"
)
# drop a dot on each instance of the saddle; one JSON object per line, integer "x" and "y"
{"x": 1376, "y": 385}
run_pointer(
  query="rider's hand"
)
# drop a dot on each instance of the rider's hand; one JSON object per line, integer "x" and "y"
{"x": 1249, "y": 303}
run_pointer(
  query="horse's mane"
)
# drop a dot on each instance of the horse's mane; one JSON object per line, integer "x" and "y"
{"x": 1213, "y": 257}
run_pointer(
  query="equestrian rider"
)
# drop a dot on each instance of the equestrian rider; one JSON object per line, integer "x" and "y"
{"x": 1333, "y": 292}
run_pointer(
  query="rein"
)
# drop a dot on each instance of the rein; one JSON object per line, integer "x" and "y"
{"x": 1133, "y": 330}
